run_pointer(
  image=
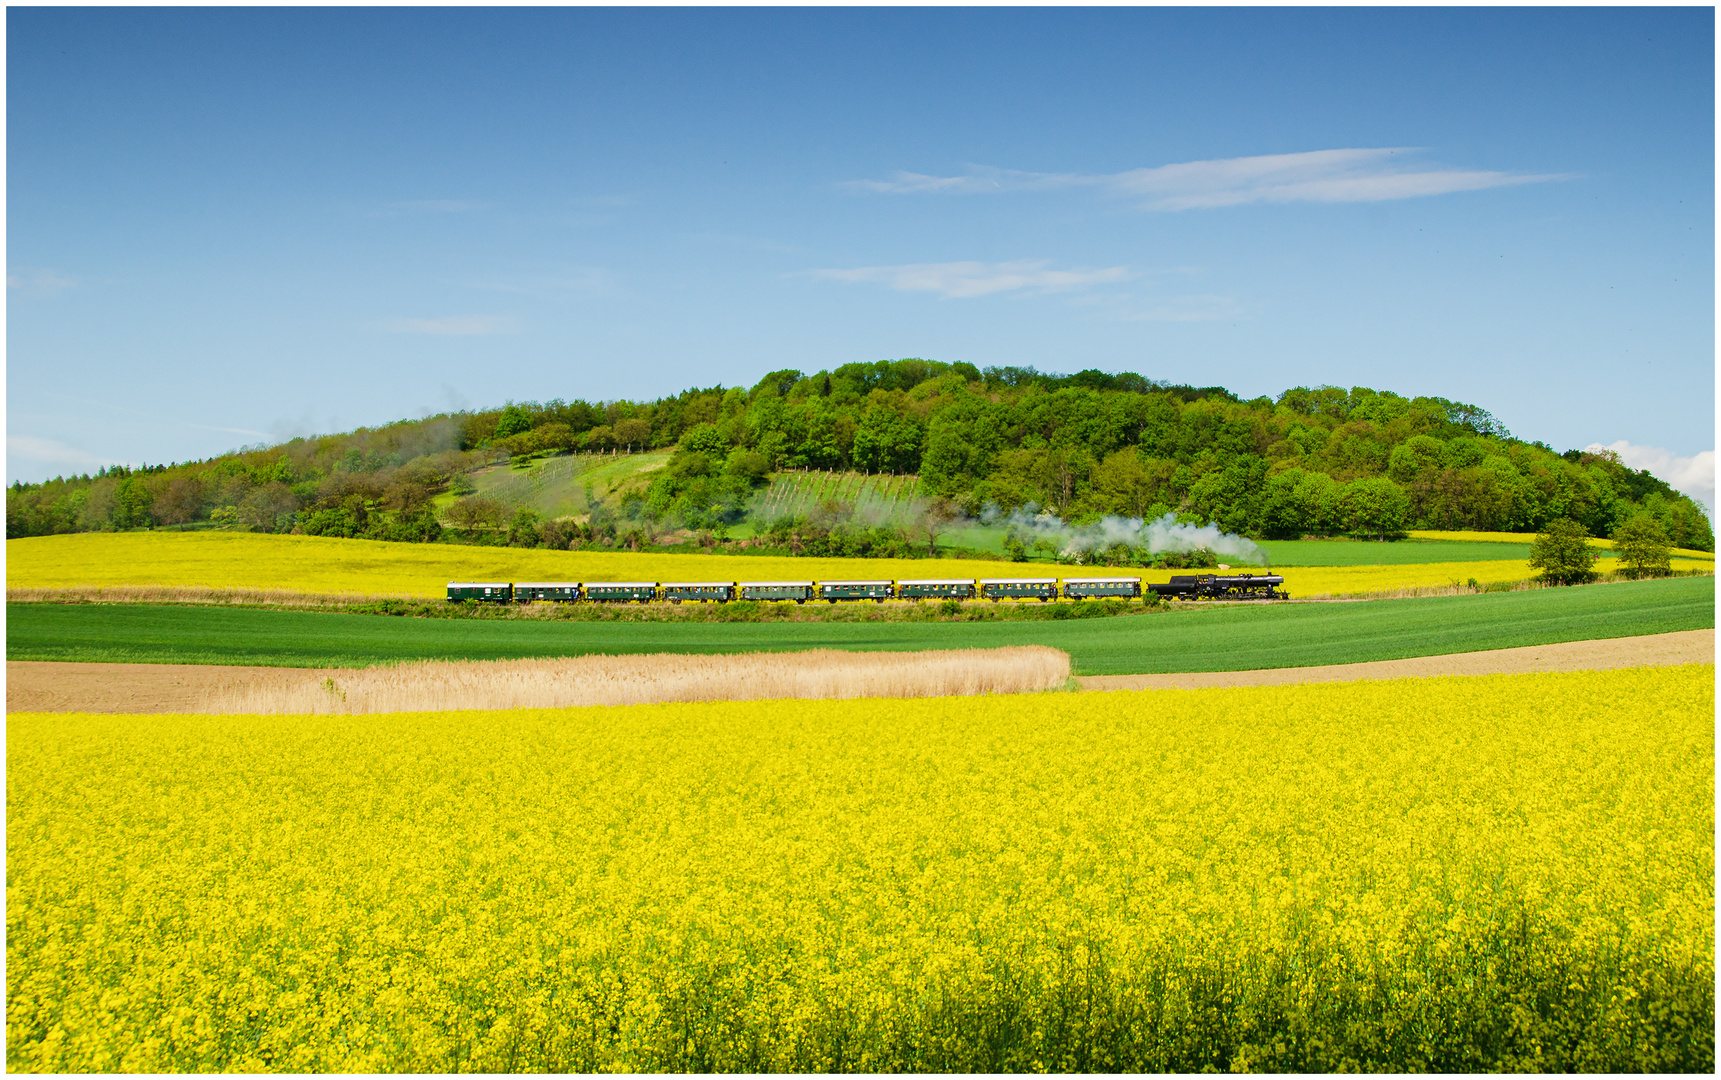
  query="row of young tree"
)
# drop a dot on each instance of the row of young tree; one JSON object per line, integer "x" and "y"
{"x": 1320, "y": 461}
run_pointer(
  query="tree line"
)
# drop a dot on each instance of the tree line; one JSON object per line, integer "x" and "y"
{"x": 1312, "y": 461}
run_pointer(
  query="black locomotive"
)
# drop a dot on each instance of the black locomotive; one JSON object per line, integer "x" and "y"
{"x": 1223, "y": 587}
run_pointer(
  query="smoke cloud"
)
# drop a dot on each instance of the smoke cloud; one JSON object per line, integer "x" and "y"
{"x": 1158, "y": 536}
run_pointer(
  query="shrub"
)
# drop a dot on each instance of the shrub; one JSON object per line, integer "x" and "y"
{"x": 705, "y": 439}
{"x": 1643, "y": 547}
{"x": 1563, "y": 554}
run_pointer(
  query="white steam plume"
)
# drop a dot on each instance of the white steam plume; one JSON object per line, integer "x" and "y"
{"x": 1158, "y": 536}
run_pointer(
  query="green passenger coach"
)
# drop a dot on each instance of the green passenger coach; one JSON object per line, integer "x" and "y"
{"x": 499, "y": 591}
{"x": 621, "y": 592}
{"x": 926, "y": 588}
{"x": 526, "y": 591}
{"x": 798, "y": 591}
{"x": 1041, "y": 589}
{"x": 1084, "y": 588}
{"x": 720, "y": 591}
{"x": 833, "y": 591}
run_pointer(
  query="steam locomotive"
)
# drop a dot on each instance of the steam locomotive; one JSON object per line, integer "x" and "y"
{"x": 1192, "y": 587}
{"x": 1226, "y": 587}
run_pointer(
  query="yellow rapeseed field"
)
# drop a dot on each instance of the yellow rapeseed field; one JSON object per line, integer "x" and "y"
{"x": 1510, "y": 872}
{"x": 315, "y": 564}
{"x": 1525, "y": 538}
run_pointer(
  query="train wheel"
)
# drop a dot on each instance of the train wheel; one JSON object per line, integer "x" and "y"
{"x": 802, "y": 600}
{"x": 675, "y": 599}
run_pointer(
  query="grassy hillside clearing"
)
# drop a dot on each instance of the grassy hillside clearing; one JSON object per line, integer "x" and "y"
{"x": 557, "y": 487}
{"x": 1232, "y": 638}
{"x": 876, "y": 498}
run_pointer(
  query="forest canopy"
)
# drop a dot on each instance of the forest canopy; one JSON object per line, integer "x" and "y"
{"x": 1318, "y": 460}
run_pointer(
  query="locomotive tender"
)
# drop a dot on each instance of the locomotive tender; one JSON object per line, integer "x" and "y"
{"x": 1185, "y": 587}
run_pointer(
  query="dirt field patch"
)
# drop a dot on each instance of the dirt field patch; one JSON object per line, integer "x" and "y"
{"x": 1650, "y": 650}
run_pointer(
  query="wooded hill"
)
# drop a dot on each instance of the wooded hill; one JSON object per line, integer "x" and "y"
{"x": 1322, "y": 461}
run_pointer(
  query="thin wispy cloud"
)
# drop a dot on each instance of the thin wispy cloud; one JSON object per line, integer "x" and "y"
{"x": 228, "y": 430}
{"x": 452, "y": 326}
{"x": 1694, "y": 475}
{"x": 39, "y": 281}
{"x": 55, "y": 452}
{"x": 1321, "y": 176}
{"x": 963, "y": 280}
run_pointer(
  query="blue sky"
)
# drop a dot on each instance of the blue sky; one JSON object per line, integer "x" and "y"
{"x": 231, "y": 226}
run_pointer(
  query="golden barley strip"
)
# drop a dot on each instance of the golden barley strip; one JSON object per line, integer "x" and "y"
{"x": 436, "y": 685}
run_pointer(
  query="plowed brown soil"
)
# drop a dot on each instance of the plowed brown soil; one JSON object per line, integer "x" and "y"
{"x": 1650, "y": 650}
{"x": 47, "y": 686}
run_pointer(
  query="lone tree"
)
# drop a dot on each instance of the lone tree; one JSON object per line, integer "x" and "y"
{"x": 1563, "y": 554}
{"x": 629, "y": 432}
{"x": 935, "y": 519}
{"x": 1643, "y": 547}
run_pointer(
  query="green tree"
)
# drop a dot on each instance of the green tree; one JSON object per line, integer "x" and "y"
{"x": 523, "y": 529}
{"x": 332, "y": 521}
{"x": 704, "y": 439}
{"x": 1375, "y": 507}
{"x": 1283, "y": 515}
{"x": 473, "y": 513}
{"x": 935, "y": 519}
{"x": 1563, "y": 554}
{"x": 886, "y": 442}
{"x": 1123, "y": 485}
{"x": 513, "y": 421}
{"x": 268, "y": 508}
{"x": 1642, "y": 546}
{"x": 631, "y": 432}
{"x": 1414, "y": 457}
{"x": 750, "y": 465}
